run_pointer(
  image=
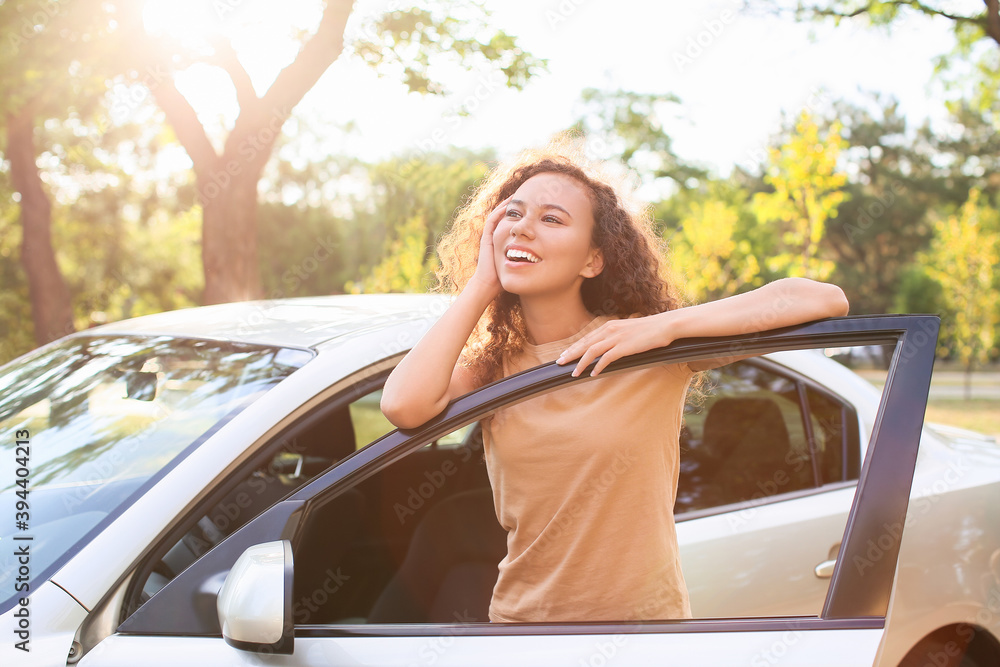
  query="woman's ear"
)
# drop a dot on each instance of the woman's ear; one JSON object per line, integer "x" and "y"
{"x": 594, "y": 265}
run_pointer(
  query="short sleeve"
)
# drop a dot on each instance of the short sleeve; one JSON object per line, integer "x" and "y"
{"x": 682, "y": 371}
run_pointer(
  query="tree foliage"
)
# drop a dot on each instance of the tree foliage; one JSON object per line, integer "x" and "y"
{"x": 716, "y": 246}
{"x": 963, "y": 259}
{"x": 51, "y": 69}
{"x": 808, "y": 188}
{"x": 406, "y": 266}
{"x": 415, "y": 201}
{"x": 411, "y": 44}
{"x": 629, "y": 126}
{"x": 883, "y": 222}
{"x": 975, "y": 58}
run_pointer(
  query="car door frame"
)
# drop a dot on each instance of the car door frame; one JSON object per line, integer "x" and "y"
{"x": 857, "y": 599}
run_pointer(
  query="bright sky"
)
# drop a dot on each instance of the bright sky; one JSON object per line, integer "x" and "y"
{"x": 735, "y": 72}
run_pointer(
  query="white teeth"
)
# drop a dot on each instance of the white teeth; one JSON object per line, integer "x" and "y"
{"x": 513, "y": 253}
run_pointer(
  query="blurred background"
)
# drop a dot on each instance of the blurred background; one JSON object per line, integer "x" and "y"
{"x": 172, "y": 153}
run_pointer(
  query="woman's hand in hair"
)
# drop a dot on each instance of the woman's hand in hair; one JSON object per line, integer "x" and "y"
{"x": 486, "y": 267}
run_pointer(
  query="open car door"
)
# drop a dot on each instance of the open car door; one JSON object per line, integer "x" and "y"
{"x": 262, "y": 626}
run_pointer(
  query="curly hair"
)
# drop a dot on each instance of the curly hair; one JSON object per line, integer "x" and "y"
{"x": 634, "y": 280}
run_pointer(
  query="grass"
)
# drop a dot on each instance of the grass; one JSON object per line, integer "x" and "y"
{"x": 977, "y": 414}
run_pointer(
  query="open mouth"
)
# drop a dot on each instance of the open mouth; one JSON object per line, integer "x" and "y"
{"x": 517, "y": 255}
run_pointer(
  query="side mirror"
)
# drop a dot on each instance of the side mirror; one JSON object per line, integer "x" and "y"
{"x": 255, "y": 603}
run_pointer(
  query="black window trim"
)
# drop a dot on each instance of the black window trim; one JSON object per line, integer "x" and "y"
{"x": 695, "y": 625}
{"x": 882, "y": 497}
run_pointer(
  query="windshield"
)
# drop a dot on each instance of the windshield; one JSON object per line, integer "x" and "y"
{"x": 88, "y": 422}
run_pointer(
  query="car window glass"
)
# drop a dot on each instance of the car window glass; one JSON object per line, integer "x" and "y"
{"x": 370, "y": 424}
{"x": 368, "y": 420}
{"x": 744, "y": 438}
{"x": 349, "y": 560}
{"x": 835, "y": 430}
{"x": 307, "y": 449}
{"x": 104, "y": 414}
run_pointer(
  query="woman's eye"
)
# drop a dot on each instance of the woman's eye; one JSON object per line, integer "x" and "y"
{"x": 512, "y": 213}
{"x": 554, "y": 219}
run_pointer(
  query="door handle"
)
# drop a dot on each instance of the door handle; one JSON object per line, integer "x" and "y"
{"x": 825, "y": 569}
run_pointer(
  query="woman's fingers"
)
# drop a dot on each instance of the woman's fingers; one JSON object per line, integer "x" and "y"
{"x": 588, "y": 348}
{"x": 612, "y": 340}
{"x": 496, "y": 215}
{"x": 486, "y": 268}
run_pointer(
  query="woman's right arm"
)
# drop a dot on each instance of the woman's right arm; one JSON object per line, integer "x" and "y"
{"x": 429, "y": 376}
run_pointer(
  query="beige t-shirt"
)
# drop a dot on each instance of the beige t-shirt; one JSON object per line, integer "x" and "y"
{"x": 584, "y": 480}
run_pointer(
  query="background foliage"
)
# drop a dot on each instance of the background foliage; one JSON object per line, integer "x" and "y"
{"x": 902, "y": 218}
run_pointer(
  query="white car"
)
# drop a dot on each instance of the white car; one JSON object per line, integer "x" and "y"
{"x": 217, "y": 486}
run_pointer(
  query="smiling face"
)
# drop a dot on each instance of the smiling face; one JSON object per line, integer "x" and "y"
{"x": 543, "y": 244}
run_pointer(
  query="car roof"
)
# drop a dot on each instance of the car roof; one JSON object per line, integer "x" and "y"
{"x": 306, "y": 322}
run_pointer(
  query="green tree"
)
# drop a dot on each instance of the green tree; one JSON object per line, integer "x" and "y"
{"x": 374, "y": 234}
{"x": 882, "y": 224}
{"x": 807, "y": 189}
{"x": 123, "y": 232}
{"x": 975, "y": 58}
{"x": 716, "y": 247}
{"x": 406, "y": 266}
{"x": 45, "y": 75}
{"x": 410, "y": 44}
{"x": 415, "y": 199}
{"x": 964, "y": 258}
{"x": 630, "y": 126}
{"x": 15, "y": 306}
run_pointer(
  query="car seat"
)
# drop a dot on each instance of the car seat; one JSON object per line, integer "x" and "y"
{"x": 450, "y": 567}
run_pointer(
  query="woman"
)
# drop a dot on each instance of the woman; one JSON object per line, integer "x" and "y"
{"x": 548, "y": 263}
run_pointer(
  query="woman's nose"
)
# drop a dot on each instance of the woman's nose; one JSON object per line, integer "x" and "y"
{"x": 523, "y": 227}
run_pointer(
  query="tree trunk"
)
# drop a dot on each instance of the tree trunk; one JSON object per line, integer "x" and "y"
{"x": 51, "y": 311}
{"x": 229, "y": 236}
